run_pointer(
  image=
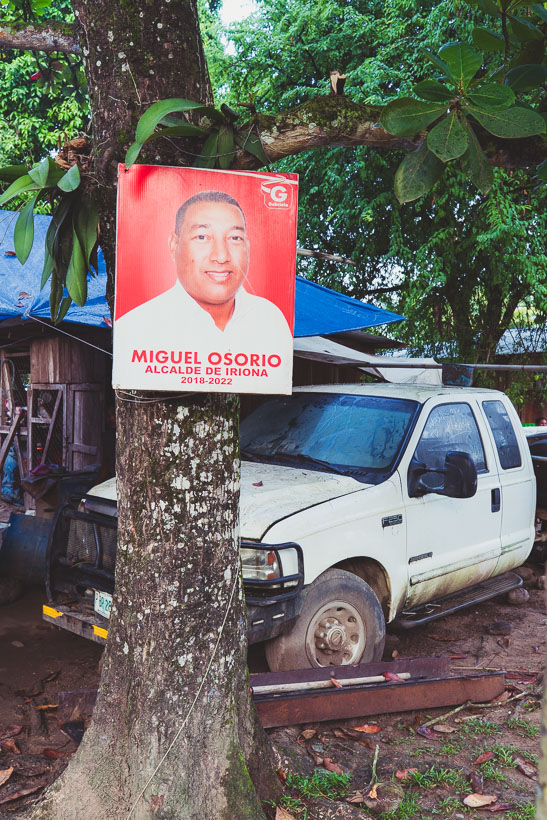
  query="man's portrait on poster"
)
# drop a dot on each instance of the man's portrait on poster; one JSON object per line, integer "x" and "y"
{"x": 210, "y": 308}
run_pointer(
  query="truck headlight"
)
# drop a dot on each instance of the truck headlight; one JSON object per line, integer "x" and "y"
{"x": 259, "y": 565}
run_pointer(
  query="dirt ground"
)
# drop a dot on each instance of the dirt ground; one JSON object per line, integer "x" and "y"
{"x": 393, "y": 770}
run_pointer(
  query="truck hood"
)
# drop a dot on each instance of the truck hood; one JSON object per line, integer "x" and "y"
{"x": 270, "y": 492}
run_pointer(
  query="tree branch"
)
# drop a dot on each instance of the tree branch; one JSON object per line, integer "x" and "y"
{"x": 331, "y": 120}
{"x": 48, "y": 38}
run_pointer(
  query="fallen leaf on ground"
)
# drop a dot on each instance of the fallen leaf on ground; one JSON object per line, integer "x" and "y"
{"x": 5, "y": 775}
{"x": 368, "y": 728}
{"x": 526, "y": 768}
{"x": 52, "y": 754}
{"x": 10, "y": 731}
{"x": 15, "y": 792}
{"x": 258, "y": 484}
{"x": 425, "y": 731}
{"x": 501, "y": 698}
{"x": 358, "y": 797}
{"x": 282, "y": 814}
{"x": 477, "y": 783}
{"x": 282, "y": 775}
{"x": 373, "y": 793}
{"x": 458, "y": 657}
{"x": 330, "y": 766}
{"x": 46, "y": 706}
{"x": 156, "y": 802}
{"x": 443, "y": 637}
{"x": 444, "y": 728}
{"x": 500, "y": 807}
{"x": 8, "y": 745}
{"x": 405, "y": 774}
{"x": 307, "y": 733}
{"x": 316, "y": 757}
{"x": 392, "y": 676}
{"x": 336, "y": 683}
{"x": 476, "y": 801}
{"x": 51, "y": 676}
{"x": 483, "y": 758}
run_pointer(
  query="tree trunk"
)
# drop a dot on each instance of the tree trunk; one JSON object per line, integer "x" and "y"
{"x": 174, "y": 732}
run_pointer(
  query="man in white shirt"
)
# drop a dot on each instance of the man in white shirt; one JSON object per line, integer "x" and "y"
{"x": 206, "y": 332}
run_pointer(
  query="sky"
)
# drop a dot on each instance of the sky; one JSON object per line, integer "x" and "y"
{"x": 233, "y": 10}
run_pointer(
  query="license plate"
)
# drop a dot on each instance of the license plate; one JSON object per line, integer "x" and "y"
{"x": 103, "y": 603}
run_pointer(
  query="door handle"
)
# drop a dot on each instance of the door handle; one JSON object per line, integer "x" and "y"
{"x": 496, "y": 499}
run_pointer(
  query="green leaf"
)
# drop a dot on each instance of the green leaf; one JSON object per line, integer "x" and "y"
{"x": 406, "y": 116}
{"x": 23, "y": 233}
{"x": 76, "y": 275}
{"x": 475, "y": 164}
{"x": 448, "y": 139}
{"x": 540, "y": 10}
{"x": 70, "y": 180}
{"x": 132, "y": 153}
{"x": 48, "y": 267}
{"x": 19, "y": 186}
{"x": 417, "y": 174}
{"x": 492, "y": 95}
{"x": 229, "y": 113}
{"x": 523, "y": 30}
{"x": 183, "y": 130}
{"x": 542, "y": 170}
{"x": 208, "y": 155}
{"x": 40, "y": 172}
{"x": 525, "y": 77}
{"x": 462, "y": 61}
{"x": 226, "y": 146}
{"x": 510, "y": 123}
{"x": 433, "y": 90}
{"x": 251, "y": 143}
{"x": 86, "y": 221}
{"x": 487, "y": 6}
{"x": 63, "y": 309}
{"x": 55, "y": 295}
{"x": 154, "y": 115}
{"x": 11, "y": 172}
{"x": 488, "y": 40}
{"x": 440, "y": 64}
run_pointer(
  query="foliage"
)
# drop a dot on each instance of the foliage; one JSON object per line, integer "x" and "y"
{"x": 42, "y": 97}
{"x": 72, "y": 236}
{"x": 321, "y": 784}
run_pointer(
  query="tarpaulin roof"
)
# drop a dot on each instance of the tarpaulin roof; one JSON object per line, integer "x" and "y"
{"x": 318, "y": 310}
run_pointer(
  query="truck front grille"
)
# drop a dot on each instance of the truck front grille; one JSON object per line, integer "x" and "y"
{"x": 89, "y": 542}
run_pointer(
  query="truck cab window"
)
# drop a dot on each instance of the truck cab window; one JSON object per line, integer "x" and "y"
{"x": 449, "y": 428}
{"x": 504, "y": 434}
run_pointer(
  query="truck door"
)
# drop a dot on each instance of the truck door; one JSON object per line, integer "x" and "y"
{"x": 517, "y": 496}
{"x": 452, "y": 543}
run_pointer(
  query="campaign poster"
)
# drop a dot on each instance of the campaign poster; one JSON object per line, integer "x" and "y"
{"x": 205, "y": 280}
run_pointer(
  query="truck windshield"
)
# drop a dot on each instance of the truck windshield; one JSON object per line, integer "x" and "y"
{"x": 340, "y": 433}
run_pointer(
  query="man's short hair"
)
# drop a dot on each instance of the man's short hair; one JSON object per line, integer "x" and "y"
{"x": 205, "y": 196}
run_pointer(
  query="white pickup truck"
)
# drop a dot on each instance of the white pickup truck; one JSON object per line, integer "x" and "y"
{"x": 360, "y": 504}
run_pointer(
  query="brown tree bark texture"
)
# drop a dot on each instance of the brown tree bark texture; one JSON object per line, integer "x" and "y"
{"x": 174, "y": 732}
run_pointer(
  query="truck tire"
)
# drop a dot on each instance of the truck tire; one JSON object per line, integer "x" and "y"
{"x": 341, "y": 622}
{"x": 10, "y": 590}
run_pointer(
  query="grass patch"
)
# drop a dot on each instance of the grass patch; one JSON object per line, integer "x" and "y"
{"x": 451, "y": 747}
{"x": 523, "y": 727}
{"x": 409, "y": 809}
{"x": 321, "y": 784}
{"x": 478, "y": 726}
{"x": 295, "y": 806}
{"x": 436, "y": 777}
{"x": 526, "y": 811}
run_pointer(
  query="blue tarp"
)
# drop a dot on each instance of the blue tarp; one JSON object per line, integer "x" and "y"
{"x": 319, "y": 311}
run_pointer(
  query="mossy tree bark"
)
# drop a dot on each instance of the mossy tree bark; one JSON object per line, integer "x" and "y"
{"x": 174, "y": 732}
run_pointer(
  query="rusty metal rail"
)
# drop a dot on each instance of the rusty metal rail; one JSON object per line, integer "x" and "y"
{"x": 430, "y": 685}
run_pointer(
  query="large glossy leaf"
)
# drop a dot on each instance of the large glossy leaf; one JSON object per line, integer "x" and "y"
{"x": 492, "y": 95}
{"x": 226, "y": 146}
{"x": 540, "y": 10}
{"x": 510, "y": 123}
{"x": 417, "y": 174}
{"x": 40, "y": 172}
{"x": 55, "y": 296}
{"x": 488, "y": 6}
{"x": 70, "y": 180}
{"x": 488, "y": 40}
{"x": 523, "y": 30}
{"x": 154, "y": 115}
{"x": 19, "y": 186}
{"x": 76, "y": 275}
{"x": 462, "y": 61}
{"x": 9, "y": 173}
{"x": 47, "y": 270}
{"x": 433, "y": 90}
{"x": 208, "y": 155}
{"x": 86, "y": 221}
{"x": 251, "y": 143}
{"x": 63, "y": 309}
{"x": 542, "y": 170}
{"x": 526, "y": 77}
{"x": 448, "y": 139}
{"x": 475, "y": 164}
{"x": 406, "y": 116}
{"x": 440, "y": 64}
{"x": 23, "y": 233}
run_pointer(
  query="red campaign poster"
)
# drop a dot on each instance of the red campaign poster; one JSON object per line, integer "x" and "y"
{"x": 205, "y": 278}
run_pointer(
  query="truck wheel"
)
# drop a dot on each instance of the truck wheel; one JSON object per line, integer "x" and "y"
{"x": 10, "y": 590}
{"x": 341, "y": 622}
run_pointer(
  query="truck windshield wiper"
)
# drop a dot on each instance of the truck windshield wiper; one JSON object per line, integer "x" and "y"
{"x": 307, "y": 459}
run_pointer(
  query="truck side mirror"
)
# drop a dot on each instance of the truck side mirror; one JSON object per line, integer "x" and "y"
{"x": 460, "y": 475}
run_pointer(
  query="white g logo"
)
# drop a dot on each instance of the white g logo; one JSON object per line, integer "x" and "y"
{"x": 278, "y": 193}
